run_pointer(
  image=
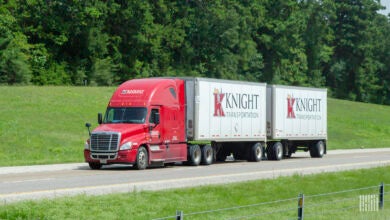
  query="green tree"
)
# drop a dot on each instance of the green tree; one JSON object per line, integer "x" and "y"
{"x": 279, "y": 38}
{"x": 14, "y": 65}
{"x": 318, "y": 38}
{"x": 356, "y": 78}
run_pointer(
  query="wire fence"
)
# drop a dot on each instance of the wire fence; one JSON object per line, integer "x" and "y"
{"x": 364, "y": 200}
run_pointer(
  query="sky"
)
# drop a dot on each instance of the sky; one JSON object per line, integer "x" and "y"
{"x": 385, "y": 3}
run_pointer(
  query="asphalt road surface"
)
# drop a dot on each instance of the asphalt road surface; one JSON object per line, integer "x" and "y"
{"x": 51, "y": 181}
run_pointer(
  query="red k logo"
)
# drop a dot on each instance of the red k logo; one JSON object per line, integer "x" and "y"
{"x": 290, "y": 107}
{"x": 218, "y": 97}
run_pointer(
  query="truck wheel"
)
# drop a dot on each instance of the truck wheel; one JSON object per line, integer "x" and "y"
{"x": 142, "y": 159}
{"x": 256, "y": 152}
{"x": 95, "y": 166}
{"x": 194, "y": 155}
{"x": 317, "y": 150}
{"x": 275, "y": 152}
{"x": 207, "y": 155}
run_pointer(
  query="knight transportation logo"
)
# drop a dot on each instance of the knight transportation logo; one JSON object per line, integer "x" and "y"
{"x": 303, "y": 108}
{"x": 235, "y": 105}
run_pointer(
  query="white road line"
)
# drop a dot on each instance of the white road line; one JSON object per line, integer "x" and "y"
{"x": 31, "y": 180}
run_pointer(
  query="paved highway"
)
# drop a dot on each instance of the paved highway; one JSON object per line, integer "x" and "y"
{"x": 51, "y": 181}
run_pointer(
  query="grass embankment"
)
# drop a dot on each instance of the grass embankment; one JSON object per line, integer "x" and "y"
{"x": 41, "y": 125}
{"x": 357, "y": 125}
{"x": 149, "y": 205}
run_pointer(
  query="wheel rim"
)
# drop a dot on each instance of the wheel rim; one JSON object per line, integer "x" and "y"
{"x": 321, "y": 148}
{"x": 142, "y": 158}
{"x": 279, "y": 151}
{"x": 258, "y": 152}
{"x": 208, "y": 154}
{"x": 197, "y": 155}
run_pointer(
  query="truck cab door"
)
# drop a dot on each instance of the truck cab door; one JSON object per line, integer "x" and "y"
{"x": 158, "y": 151}
{"x": 155, "y": 126}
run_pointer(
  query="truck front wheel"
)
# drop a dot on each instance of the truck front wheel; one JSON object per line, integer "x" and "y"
{"x": 317, "y": 150}
{"x": 95, "y": 166}
{"x": 142, "y": 159}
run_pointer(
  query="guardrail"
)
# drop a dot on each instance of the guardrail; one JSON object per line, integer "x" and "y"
{"x": 367, "y": 199}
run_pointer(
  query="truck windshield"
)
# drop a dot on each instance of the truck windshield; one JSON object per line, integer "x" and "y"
{"x": 132, "y": 115}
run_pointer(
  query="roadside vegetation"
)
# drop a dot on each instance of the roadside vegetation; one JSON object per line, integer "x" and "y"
{"x": 320, "y": 203}
{"x": 357, "y": 125}
{"x": 45, "y": 125}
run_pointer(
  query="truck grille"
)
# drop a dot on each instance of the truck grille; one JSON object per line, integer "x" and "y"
{"x": 105, "y": 142}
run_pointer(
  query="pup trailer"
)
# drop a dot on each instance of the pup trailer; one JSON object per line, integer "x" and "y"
{"x": 157, "y": 121}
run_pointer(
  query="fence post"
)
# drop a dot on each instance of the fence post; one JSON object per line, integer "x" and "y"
{"x": 179, "y": 215}
{"x": 381, "y": 195}
{"x": 301, "y": 200}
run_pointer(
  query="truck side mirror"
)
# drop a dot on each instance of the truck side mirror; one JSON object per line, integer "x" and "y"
{"x": 100, "y": 118}
{"x": 88, "y": 125}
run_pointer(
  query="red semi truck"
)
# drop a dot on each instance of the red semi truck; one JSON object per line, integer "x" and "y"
{"x": 157, "y": 121}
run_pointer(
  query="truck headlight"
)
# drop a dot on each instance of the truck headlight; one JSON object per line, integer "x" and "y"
{"x": 86, "y": 145}
{"x": 126, "y": 146}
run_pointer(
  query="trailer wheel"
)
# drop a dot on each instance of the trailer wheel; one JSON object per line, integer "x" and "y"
{"x": 317, "y": 150}
{"x": 207, "y": 155}
{"x": 194, "y": 155}
{"x": 256, "y": 153}
{"x": 275, "y": 152}
{"x": 95, "y": 166}
{"x": 142, "y": 159}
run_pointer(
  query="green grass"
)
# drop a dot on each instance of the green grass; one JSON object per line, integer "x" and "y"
{"x": 43, "y": 125}
{"x": 149, "y": 205}
{"x": 357, "y": 125}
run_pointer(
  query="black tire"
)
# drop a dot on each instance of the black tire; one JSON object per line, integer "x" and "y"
{"x": 142, "y": 159}
{"x": 207, "y": 155}
{"x": 256, "y": 152}
{"x": 95, "y": 166}
{"x": 275, "y": 152}
{"x": 194, "y": 155}
{"x": 317, "y": 150}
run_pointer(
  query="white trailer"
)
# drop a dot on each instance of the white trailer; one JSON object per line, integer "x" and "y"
{"x": 296, "y": 120}
{"x": 229, "y": 114}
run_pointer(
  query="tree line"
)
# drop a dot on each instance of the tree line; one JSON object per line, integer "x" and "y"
{"x": 343, "y": 45}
